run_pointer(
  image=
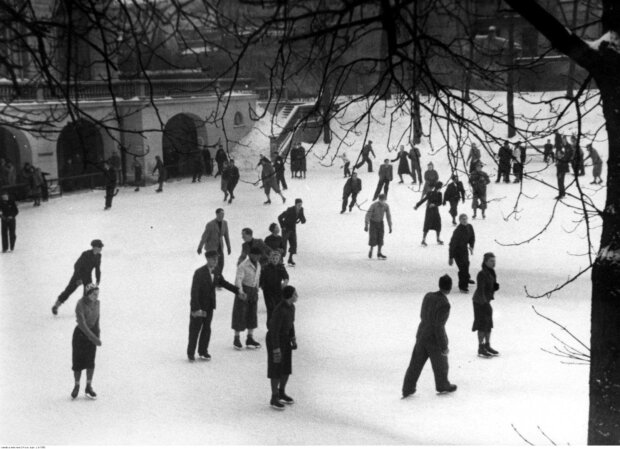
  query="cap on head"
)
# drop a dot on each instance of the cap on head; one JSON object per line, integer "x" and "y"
{"x": 288, "y": 292}
{"x": 382, "y": 197}
{"x": 90, "y": 288}
{"x": 445, "y": 282}
{"x": 211, "y": 253}
{"x": 96, "y": 243}
{"x": 298, "y": 201}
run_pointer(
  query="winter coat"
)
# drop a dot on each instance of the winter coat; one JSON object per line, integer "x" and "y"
{"x": 279, "y": 166}
{"x": 110, "y": 178}
{"x": 8, "y": 209}
{"x": 463, "y": 238}
{"x": 479, "y": 181}
{"x": 220, "y": 156}
{"x": 271, "y": 278}
{"x": 282, "y": 324}
{"x": 597, "y": 163}
{"x": 432, "y": 219}
{"x": 434, "y": 315}
{"x": 203, "y": 288}
{"x": 246, "y": 247}
{"x": 486, "y": 285}
{"x": 505, "y": 156}
{"x": 275, "y": 242}
{"x": 431, "y": 177}
{"x": 414, "y": 155}
{"x": 376, "y": 211}
{"x": 289, "y": 218}
{"x": 385, "y": 172}
{"x": 562, "y": 162}
{"x": 403, "y": 164}
{"x": 233, "y": 176}
{"x": 352, "y": 186}
{"x": 212, "y": 236}
{"x": 83, "y": 267}
{"x": 454, "y": 192}
{"x": 367, "y": 150}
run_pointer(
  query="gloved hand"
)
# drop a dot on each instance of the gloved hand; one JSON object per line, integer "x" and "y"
{"x": 277, "y": 356}
{"x": 293, "y": 343}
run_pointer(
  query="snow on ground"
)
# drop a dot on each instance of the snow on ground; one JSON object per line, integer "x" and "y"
{"x": 356, "y": 323}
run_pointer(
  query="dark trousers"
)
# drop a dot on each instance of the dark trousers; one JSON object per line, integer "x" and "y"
{"x": 422, "y": 351}
{"x": 365, "y": 159}
{"x": 220, "y": 259}
{"x": 290, "y": 238}
{"x": 197, "y": 175}
{"x": 109, "y": 195}
{"x": 345, "y": 201}
{"x": 347, "y": 171}
{"x": 415, "y": 169}
{"x": 219, "y": 169}
{"x": 199, "y": 332}
{"x": 281, "y": 180}
{"x": 383, "y": 183}
{"x": 561, "y": 187}
{"x": 71, "y": 287}
{"x": 231, "y": 188}
{"x": 160, "y": 180}
{"x": 504, "y": 172}
{"x": 549, "y": 156}
{"x": 8, "y": 234}
{"x": 454, "y": 209}
{"x": 462, "y": 262}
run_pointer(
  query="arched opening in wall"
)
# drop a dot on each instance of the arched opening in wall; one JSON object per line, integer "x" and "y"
{"x": 14, "y": 152}
{"x": 238, "y": 119}
{"x": 183, "y": 140}
{"x": 79, "y": 151}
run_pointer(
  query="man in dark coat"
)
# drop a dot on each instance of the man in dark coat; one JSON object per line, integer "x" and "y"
{"x": 249, "y": 242}
{"x": 416, "y": 164}
{"x": 110, "y": 184}
{"x": 558, "y": 141}
{"x": 385, "y": 177}
{"x": 432, "y": 341}
{"x": 461, "y": 246}
{"x": 206, "y": 279}
{"x": 288, "y": 222}
{"x": 479, "y": 180}
{"x": 279, "y": 167}
{"x": 82, "y": 272}
{"x": 562, "y": 167}
{"x": 548, "y": 151}
{"x": 233, "y": 179}
{"x": 281, "y": 342}
{"x": 504, "y": 156}
{"x": 352, "y": 187}
{"x": 8, "y": 212}
{"x": 454, "y": 192}
{"x": 220, "y": 158}
{"x": 273, "y": 278}
{"x": 365, "y": 156}
{"x": 115, "y": 163}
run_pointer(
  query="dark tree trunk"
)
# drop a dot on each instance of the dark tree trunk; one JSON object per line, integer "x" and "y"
{"x": 571, "y": 68}
{"x": 510, "y": 85}
{"x": 416, "y": 123}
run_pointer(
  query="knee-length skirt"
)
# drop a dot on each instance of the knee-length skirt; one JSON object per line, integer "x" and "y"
{"x": 84, "y": 351}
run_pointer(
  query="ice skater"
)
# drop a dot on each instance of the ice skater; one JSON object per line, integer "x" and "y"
{"x": 548, "y": 151}
{"x": 280, "y": 169}
{"x": 403, "y": 164}
{"x": 431, "y": 341}
{"x": 288, "y": 222}
{"x": 225, "y": 175}
{"x": 275, "y": 240}
{"x": 432, "y": 219}
{"x": 220, "y": 158}
{"x": 385, "y": 177}
{"x": 281, "y": 342}
{"x": 486, "y": 286}
{"x": 504, "y": 156}
{"x": 597, "y": 164}
{"x": 461, "y": 246}
{"x": 244, "y": 314}
{"x": 269, "y": 180}
{"x": 346, "y": 164}
{"x": 8, "y": 212}
{"x": 416, "y": 164}
{"x": 85, "y": 340}
{"x": 202, "y": 304}
{"x": 474, "y": 157}
{"x": 233, "y": 179}
{"x": 430, "y": 179}
{"x": 215, "y": 233}
{"x": 352, "y": 187}
{"x": 365, "y": 156}
{"x": 454, "y": 193}
{"x": 88, "y": 261}
{"x": 109, "y": 173}
{"x": 249, "y": 243}
{"x": 479, "y": 181}
{"x": 137, "y": 174}
{"x": 161, "y": 173}
{"x": 273, "y": 278}
{"x": 373, "y": 224}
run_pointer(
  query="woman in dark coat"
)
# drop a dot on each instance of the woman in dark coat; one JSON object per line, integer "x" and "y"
{"x": 403, "y": 164}
{"x": 486, "y": 286}
{"x": 280, "y": 345}
{"x": 430, "y": 179}
{"x": 432, "y": 219}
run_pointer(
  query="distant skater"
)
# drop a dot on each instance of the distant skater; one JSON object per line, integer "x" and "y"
{"x": 373, "y": 224}
{"x": 137, "y": 174}
{"x": 269, "y": 180}
{"x": 385, "y": 177}
{"x": 483, "y": 312}
{"x": 403, "y": 164}
{"x": 432, "y": 218}
{"x": 244, "y": 314}
{"x": 597, "y": 164}
{"x": 352, "y": 187}
{"x": 8, "y": 212}
{"x": 110, "y": 184}
{"x": 214, "y": 236}
{"x": 416, "y": 164}
{"x": 365, "y": 156}
{"x": 85, "y": 340}
{"x": 431, "y": 341}
{"x": 430, "y": 179}
{"x": 454, "y": 192}
{"x": 479, "y": 181}
{"x": 461, "y": 246}
{"x": 288, "y": 222}
{"x": 161, "y": 173}
{"x": 233, "y": 179}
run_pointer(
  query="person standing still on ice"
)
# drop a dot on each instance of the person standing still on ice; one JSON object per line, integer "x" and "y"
{"x": 474, "y": 157}
{"x": 373, "y": 224}
{"x": 431, "y": 341}
{"x": 82, "y": 272}
{"x": 137, "y": 174}
{"x": 403, "y": 164}
{"x": 486, "y": 286}
{"x": 109, "y": 174}
{"x": 365, "y": 156}
{"x": 220, "y": 158}
{"x": 504, "y": 156}
{"x": 454, "y": 192}
{"x": 202, "y": 304}
{"x": 479, "y": 181}
{"x": 352, "y": 187}
{"x": 288, "y": 222}
{"x": 244, "y": 314}
{"x": 281, "y": 342}
{"x": 8, "y": 212}
{"x": 161, "y": 173}
{"x": 280, "y": 168}
{"x": 347, "y": 164}
{"x": 432, "y": 218}
{"x": 273, "y": 278}
{"x": 85, "y": 340}
{"x": 269, "y": 180}
{"x": 461, "y": 246}
{"x": 416, "y": 164}
{"x": 233, "y": 179}
{"x": 597, "y": 164}
{"x": 579, "y": 167}
{"x": 275, "y": 240}
{"x": 548, "y": 151}
{"x": 562, "y": 167}
{"x": 211, "y": 240}
{"x": 385, "y": 177}
{"x": 430, "y": 179}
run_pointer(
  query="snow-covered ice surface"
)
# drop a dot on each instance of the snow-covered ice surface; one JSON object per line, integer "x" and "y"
{"x": 356, "y": 323}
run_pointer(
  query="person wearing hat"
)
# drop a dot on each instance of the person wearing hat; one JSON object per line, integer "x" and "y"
{"x": 211, "y": 240}
{"x": 385, "y": 177}
{"x": 431, "y": 341}
{"x": 202, "y": 304}
{"x": 281, "y": 342}
{"x": 364, "y": 156}
{"x": 486, "y": 286}
{"x": 373, "y": 224}
{"x": 432, "y": 219}
{"x": 430, "y": 179}
{"x": 454, "y": 192}
{"x": 85, "y": 340}
{"x": 288, "y": 222}
{"x": 82, "y": 272}
{"x": 479, "y": 181}
{"x": 244, "y": 314}
{"x": 274, "y": 240}
{"x": 8, "y": 212}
